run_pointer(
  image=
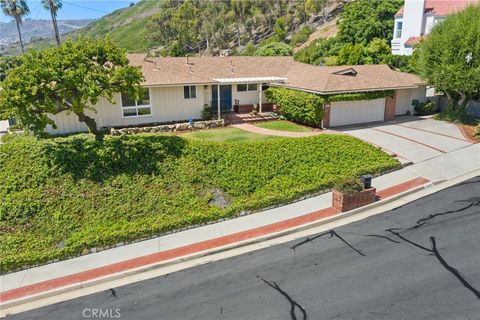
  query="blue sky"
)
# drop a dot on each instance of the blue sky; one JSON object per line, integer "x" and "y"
{"x": 75, "y": 9}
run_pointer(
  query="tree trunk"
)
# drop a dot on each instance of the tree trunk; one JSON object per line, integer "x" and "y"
{"x": 462, "y": 103}
{"x": 55, "y": 26}
{"x": 304, "y": 11}
{"x": 238, "y": 34}
{"x": 89, "y": 121}
{"x": 19, "y": 33}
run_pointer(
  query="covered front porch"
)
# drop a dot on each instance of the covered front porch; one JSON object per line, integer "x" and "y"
{"x": 241, "y": 95}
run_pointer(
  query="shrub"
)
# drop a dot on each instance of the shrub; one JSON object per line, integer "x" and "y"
{"x": 453, "y": 114}
{"x": 298, "y": 106}
{"x": 477, "y": 130}
{"x": 318, "y": 51}
{"x": 280, "y": 29}
{"x": 348, "y": 185}
{"x": 62, "y": 195}
{"x": 301, "y": 36}
{"x": 274, "y": 49}
{"x": 424, "y": 108}
{"x": 249, "y": 49}
{"x": 207, "y": 112}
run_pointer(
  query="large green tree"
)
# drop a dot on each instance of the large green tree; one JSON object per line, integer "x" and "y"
{"x": 376, "y": 52}
{"x": 16, "y": 9}
{"x": 71, "y": 77}
{"x": 364, "y": 20}
{"x": 449, "y": 58}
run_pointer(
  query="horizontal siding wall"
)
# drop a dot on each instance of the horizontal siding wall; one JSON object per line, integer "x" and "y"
{"x": 66, "y": 123}
{"x": 168, "y": 104}
{"x": 248, "y": 97}
{"x": 245, "y": 97}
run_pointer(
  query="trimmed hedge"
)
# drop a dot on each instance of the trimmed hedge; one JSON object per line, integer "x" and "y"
{"x": 298, "y": 106}
{"x": 63, "y": 195}
{"x": 372, "y": 95}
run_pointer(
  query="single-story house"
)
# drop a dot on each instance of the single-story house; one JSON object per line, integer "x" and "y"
{"x": 176, "y": 89}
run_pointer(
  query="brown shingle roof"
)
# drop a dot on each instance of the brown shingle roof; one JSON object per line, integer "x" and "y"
{"x": 203, "y": 70}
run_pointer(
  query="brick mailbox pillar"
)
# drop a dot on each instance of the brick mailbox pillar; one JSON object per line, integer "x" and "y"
{"x": 346, "y": 202}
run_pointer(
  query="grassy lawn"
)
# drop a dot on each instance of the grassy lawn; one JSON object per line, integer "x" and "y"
{"x": 62, "y": 195}
{"x": 227, "y": 135}
{"x": 282, "y": 125}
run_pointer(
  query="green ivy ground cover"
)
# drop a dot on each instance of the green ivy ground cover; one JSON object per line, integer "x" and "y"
{"x": 62, "y": 195}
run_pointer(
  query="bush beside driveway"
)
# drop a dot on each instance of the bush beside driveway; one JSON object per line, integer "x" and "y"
{"x": 63, "y": 195}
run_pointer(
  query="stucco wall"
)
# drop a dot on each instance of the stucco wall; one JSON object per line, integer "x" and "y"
{"x": 420, "y": 94}
{"x": 403, "y": 102}
{"x": 405, "y": 97}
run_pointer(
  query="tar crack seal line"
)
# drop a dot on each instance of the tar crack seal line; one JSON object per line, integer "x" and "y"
{"x": 293, "y": 303}
{"x": 332, "y": 234}
{"x": 442, "y": 261}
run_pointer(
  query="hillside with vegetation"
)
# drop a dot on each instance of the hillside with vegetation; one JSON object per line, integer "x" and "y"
{"x": 364, "y": 34}
{"x": 202, "y": 26}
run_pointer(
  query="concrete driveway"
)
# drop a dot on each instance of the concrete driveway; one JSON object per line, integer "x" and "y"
{"x": 412, "y": 139}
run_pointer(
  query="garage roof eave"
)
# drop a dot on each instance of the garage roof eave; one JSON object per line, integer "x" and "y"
{"x": 250, "y": 79}
{"x": 343, "y": 91}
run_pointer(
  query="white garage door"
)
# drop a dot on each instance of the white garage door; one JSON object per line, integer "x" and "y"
{"x": 352, "y": 112}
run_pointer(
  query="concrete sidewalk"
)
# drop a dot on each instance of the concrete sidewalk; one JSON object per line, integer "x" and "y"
{"x": 40, "y": 279}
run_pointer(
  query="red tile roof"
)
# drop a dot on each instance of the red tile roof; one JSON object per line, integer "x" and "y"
{"x": 442, "y": 8}
{"x": 414, "y": 40}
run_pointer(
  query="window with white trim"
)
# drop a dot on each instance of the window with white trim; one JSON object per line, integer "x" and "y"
{"x": 189, "y": 92}
{"x": 398, "y": 32}
{"x": 246, "y": 87}
{"x": 137, "y": 108}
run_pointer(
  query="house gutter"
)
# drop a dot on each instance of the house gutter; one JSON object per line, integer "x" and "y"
{"x": 342, "y": 91}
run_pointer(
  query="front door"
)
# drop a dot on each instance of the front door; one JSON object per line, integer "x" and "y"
{"x": 225, "y": 98}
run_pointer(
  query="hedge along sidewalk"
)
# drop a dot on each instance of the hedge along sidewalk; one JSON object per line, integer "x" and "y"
{"x": 181, "y": 239}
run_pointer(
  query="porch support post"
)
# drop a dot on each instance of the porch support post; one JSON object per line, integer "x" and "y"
{"x": 218, "y": 101}
{"x": 260, "y": 99}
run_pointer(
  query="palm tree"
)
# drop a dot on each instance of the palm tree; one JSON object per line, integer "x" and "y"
{"x": 53, "y": 6}
{"x": 16, "y": 9}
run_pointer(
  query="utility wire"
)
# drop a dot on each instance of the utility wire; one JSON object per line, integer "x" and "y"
{"x": 84, "y": 7}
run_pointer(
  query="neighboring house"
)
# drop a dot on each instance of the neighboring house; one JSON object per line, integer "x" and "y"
{"x": 176, "y": 89}
{"x": 417, "y": 18}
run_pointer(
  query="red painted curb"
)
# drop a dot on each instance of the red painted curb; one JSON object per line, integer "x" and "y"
{"x": 189, "y": 249}
{"x": 464, "y": 134}
{"x": 399, "y": 188}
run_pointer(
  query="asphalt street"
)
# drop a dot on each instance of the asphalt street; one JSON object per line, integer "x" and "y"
{"x": 419, "y": 261}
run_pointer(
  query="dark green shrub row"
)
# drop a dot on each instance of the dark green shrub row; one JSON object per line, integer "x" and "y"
{"x": 62, "y": 195}
{"x": 371, "y": 95}
{"x": 298, "y": 106}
